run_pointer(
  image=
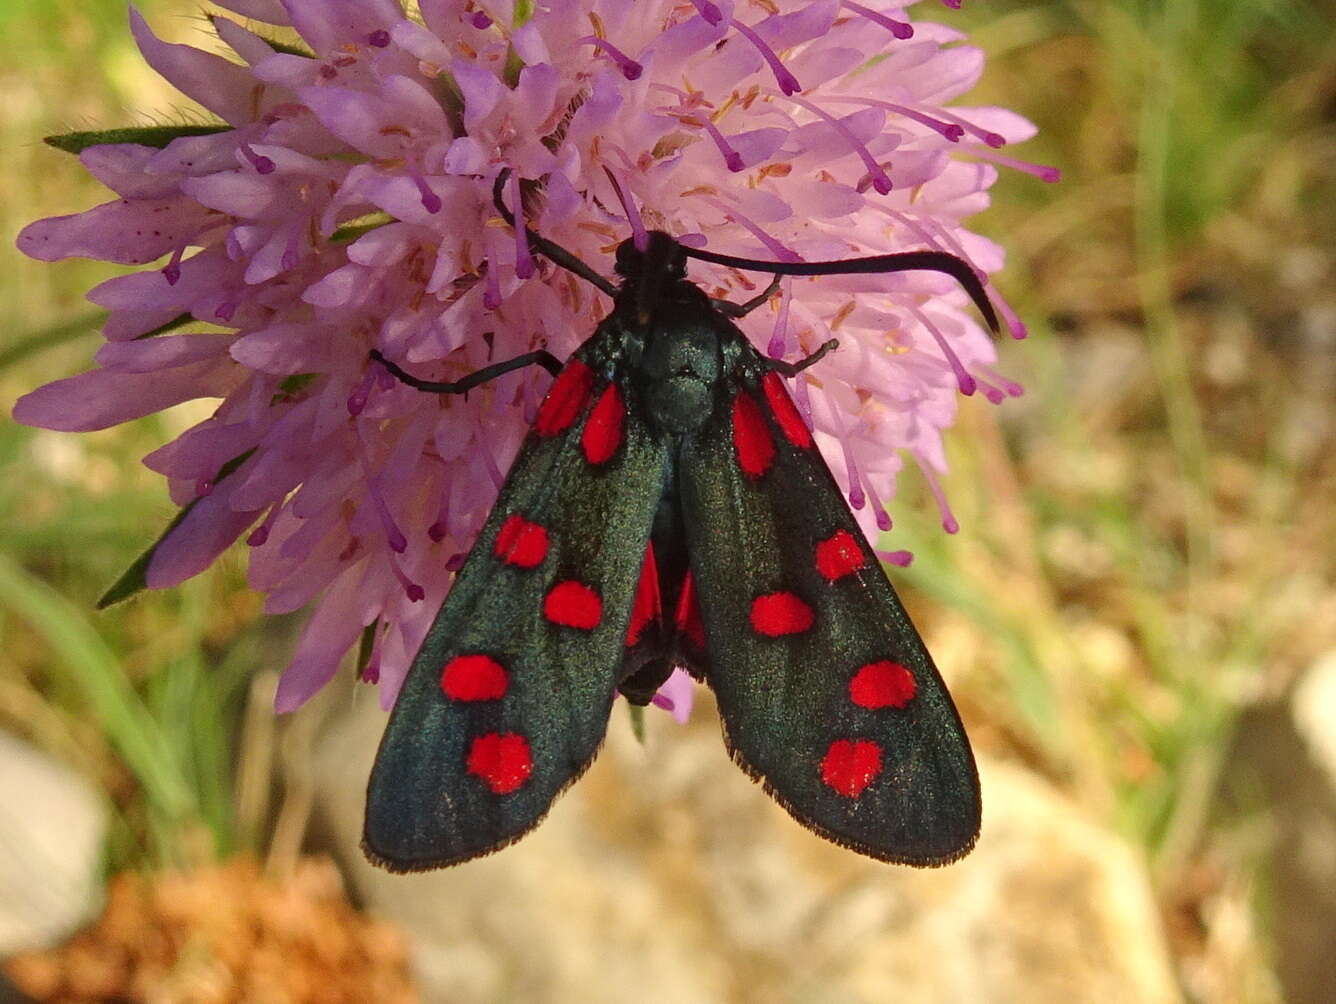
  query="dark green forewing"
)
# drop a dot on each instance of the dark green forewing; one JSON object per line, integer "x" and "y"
{"x": 508, "y": 699}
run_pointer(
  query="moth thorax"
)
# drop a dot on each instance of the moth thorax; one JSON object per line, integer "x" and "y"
{"x": 681, "y": 366}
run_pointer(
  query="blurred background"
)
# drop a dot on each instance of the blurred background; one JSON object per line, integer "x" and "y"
{"x": 1138, "y": 617}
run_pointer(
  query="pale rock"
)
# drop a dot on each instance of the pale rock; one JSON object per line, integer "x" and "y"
{"x": 52, "y": 824}
{"x": 666, "y": 877}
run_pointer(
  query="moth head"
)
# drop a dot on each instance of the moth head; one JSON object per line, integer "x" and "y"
{"x": 647, "y": 271}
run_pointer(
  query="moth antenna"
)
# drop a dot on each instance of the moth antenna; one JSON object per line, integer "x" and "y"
{"x": 555, "y": 253}
{"x": 906, "y": 261}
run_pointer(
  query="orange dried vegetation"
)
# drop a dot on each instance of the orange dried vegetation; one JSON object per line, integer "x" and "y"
{"x": 225, "y": 934}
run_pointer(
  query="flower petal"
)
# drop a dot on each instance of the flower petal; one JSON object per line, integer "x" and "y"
{"x": 127, "y": 231}
{"x": 226, "y": 89}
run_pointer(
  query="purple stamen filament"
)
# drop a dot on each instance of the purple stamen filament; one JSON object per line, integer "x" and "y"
{"x": 732, "y": 158}
{"x": 989, "y": 137}
{"x": 788, "y": 83}
{"x": 879, "y": 179}
{"x": 261, "y": 163}
{"x": 431, "y": 202}
{"x": 900, "y": 29}
{"x": 963, "y": 379}
{"x": 950, "y": 131}
{"x": 1044, "y": 172}
{"x": 638, "y": 232}
{"x": 711, "y": 13}
{"x": 901, "y": 559}
{"x": 631, "y": 70}
{"x": 775, "y": 247}
{"x": 949, "y": 523}
{"x": 779, "y": 339}
{"x": 524, "y": 267}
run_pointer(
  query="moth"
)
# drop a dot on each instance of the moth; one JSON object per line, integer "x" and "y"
{"x": 669, "y": 507}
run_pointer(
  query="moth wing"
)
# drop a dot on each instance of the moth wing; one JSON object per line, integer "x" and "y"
{"x": 507, "y": 701}
{"x": 827, "y": 693}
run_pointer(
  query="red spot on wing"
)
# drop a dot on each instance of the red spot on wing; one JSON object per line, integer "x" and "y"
{"x": 473, "y": 678}
{"x": 839, "y": 555}
{"x": 776, "y": 614}
{"x": 781, "y": 405}
{"x": 565, "y": 399}
{"x": 850, "y": 765}
{"x": 882, "y": 684}
{"x": 521, "y": 543}
{"x": 502, "y": 760}
{"x": 603, "y": 432}
{"x": 647, "y": 605}
{"x": 751, "y": 438}
{"x": 687, "y": 615}
{"x": 573, "y": 604}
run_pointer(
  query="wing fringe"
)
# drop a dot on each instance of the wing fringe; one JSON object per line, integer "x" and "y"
{"x": 838, "y": 838}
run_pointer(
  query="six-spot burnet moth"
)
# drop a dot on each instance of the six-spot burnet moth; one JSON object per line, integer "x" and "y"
{"x": 670, "y": 508}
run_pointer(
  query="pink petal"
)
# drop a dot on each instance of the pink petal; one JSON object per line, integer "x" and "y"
{"x": 480, "y": 88}
{"x": 677, "y": 695}
{"x": 244, "y": 194}
{"x": 206, "y": 532}
{"x": 758, "y": 145}
{"x": 286, "y": 348}
{"x": 100, "y": 399}
{"x": 246, "y": 44}
{"x": 327, "y": 23}
{"x": 198, "y": 454}
{"x": 337, "y": 623}
{"x": 128, "y": 232}
{"x": 269, "y": 11}
{"x": 123, "y": 168}
{"x": 383, "y": 246}
{"x": 226, "y": 89}
{"x": 149, "y": 355}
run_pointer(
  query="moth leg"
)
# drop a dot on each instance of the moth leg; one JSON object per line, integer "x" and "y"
{"x": 793, "y": 369}
{"x": 555, "y": 253}
{"x": 542, "y": 357}
{"x": 730, "y": 309}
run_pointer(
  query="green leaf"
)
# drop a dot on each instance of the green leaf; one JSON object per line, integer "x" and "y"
{"x": 134, "y": 579}
{"x": 167, "y": 326}
{"x": 365, "y": 646}
{"x": 80, "y": 655}
{"x": 637, "y": 713}
{"x": 154, "y": 136}
{"x": 354, "y": 229}
{"x": 49, "y": 337}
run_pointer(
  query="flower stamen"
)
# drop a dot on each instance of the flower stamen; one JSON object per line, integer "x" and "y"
{"x": 711, "y": 13}
{"x": 1044, "y": 172}
{"x": 524, "y": 266}
{"x": 631, "y": 70}
{"x": 779, "y": 338}
{"x": 880, "y": 181}
{"x": 780, "y": 252}
{"x": 900, "y": 559}
{"x": 900, "y": 29}
{"x": 951, "y": 131}
{"x": 787, "y": 82}
{"x": 964, "y": 381}
{"x": 949, "y": 523}
{"x": 261, "y": 163}
{"x": 260, "y": 534}
{"x": 732, "y": 158}
{"x": 431, "y": 202}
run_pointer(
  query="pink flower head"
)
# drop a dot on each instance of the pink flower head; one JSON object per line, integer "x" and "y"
{"x": 344, "y": 204}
